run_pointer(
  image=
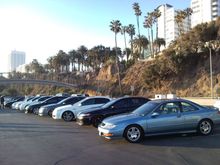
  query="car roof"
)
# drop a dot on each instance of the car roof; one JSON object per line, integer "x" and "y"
{"x": 171, "y": 100}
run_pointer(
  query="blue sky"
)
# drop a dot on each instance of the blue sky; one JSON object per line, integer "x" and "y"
{"x": 42, "y": 27}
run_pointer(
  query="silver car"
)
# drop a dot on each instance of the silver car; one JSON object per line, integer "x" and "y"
{"x": 161, "y": 117}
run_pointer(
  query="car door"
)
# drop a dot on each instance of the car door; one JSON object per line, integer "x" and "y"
{"x": 166, "y": 118}
{"x": 190, "y": 114}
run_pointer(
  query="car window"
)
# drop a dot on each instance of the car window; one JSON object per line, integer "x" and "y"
{"x": 101, "y": 100}
{"x": 51, "y": 101}
{"x": 186, "y": 107}
{"x": 137, "y": 101}
{"x": 121, "y": 103}
{"x": 88, "y": 102}
{"x": 168, "y": 108}
{"x": 71, "y": 100}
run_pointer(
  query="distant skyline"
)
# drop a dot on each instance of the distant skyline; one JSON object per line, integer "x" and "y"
{"x": 41, "y": 28}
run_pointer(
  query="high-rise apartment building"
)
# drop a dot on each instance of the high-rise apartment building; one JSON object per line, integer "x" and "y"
{"x": 16, "y": 58}
{"x": 167, "y": 27}
{"x": 204, "y": 11}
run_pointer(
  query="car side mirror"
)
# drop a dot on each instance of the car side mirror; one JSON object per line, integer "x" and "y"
{"x": 155, "y": 114}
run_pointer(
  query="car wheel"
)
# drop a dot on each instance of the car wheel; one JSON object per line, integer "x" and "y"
{"x": 35, "y": 111}
{"x": 68, "y": 116}
{"x": 205, "y": 127}
{"x": 50, "y": 112}
{"x": 97, "y": 120}
{"x": 134, "y": 133}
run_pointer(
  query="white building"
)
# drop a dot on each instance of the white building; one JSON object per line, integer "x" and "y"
{"x": 16, "y": 58}
{"x": 167, "y": 27}
{"x": 204, "y": 11}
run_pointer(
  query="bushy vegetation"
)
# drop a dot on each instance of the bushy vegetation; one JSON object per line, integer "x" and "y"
{"x": 184, "y": 54}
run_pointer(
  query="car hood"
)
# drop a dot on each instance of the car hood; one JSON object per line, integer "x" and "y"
{"x": 121, "y": 118}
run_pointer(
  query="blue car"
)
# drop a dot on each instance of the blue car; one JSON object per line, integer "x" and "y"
{"x": 159, "y": 117}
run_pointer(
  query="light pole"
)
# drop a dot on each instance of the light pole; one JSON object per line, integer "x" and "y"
{"x": 209, "y": 46}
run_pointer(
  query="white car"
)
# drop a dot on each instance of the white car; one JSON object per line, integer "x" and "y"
{"x": 69, "y": 112}
{"x": 217, "y": 104}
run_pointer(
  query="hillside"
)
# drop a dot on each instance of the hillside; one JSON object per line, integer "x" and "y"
{"x": 183, "y": 68}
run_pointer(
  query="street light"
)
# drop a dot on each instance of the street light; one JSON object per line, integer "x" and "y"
{"x": 209, "y": 46}
{"x": 213, "y": 44}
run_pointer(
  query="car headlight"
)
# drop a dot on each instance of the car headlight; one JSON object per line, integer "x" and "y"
{"x": 109, "y": 126}
{"x": 84, "y": 115}
{"x": 27, "y": 107}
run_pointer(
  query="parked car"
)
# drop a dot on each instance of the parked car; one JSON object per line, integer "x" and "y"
{"x": 217, "y": 104}
{"x": 161, "y": 117}
{"x": 9, "y": 103}
{"x": 15, "y": 105}
{"x": 33, "y": 101}
{"x": 95, "y": 115}
{"x": 47, "y": 110}
{"x": 33, "y": 108}
{"x": 67, "y": 112}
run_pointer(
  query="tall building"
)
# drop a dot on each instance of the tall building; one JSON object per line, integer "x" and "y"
{"x": 16, "y": 58}
{"x": 204, "y": 11}
{"x": 167, "y": 27}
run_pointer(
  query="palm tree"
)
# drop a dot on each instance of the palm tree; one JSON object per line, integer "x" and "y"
{"x": 149, "y": 21}
{"x": 73, "y": 56}
{"x": 131, "y": 33}
{"x": 138, "y": 13}
{"x": 140, "y": 43}
{"x": 63, "y": 60}
{"x": 82, "y": 55}
{"x": 156, "y": 15}
{"x": 158, "y": 42}
{"x": 179, "y": 18}
{"x": 148, "y": 24}
{"x": 115, "y": 26}
{"x": 123, "y": 32}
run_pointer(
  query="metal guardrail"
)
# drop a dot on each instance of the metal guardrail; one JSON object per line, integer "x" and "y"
{"x": 41, "y": 82}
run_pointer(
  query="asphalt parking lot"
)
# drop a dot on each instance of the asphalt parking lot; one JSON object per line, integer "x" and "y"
{"x": 26, "y": 139}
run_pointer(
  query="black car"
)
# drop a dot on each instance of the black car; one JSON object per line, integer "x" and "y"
{"x": 35, "y": 107}
{"x": 95, "y": 116}
{"x": 10, "y": 102}
{"x": 48, "y": 109}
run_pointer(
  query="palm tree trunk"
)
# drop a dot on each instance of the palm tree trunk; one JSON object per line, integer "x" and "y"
{"x": 117, "y": 65}
{"x": 149, "y": 41}
{"x": 138, "y": 27}
{"x": 125, "y": 47}
{"x": 152, "y": 41}
{"x": 132, "y": 46}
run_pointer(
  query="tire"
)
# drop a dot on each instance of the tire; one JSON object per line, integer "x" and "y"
{"x": 96, "y": 121}
{"x": 68, "y": 116}
{"x": 134, "y": 133}
{"x": 35, "y": 111}
{"x": 50, "y": 112}
{"x": 205, "y": 127}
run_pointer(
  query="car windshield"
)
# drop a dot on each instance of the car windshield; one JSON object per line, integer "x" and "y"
{"x": 62, "y": 101}
{"x": 146, "y": 108}
{"x": 109, "y": 103}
